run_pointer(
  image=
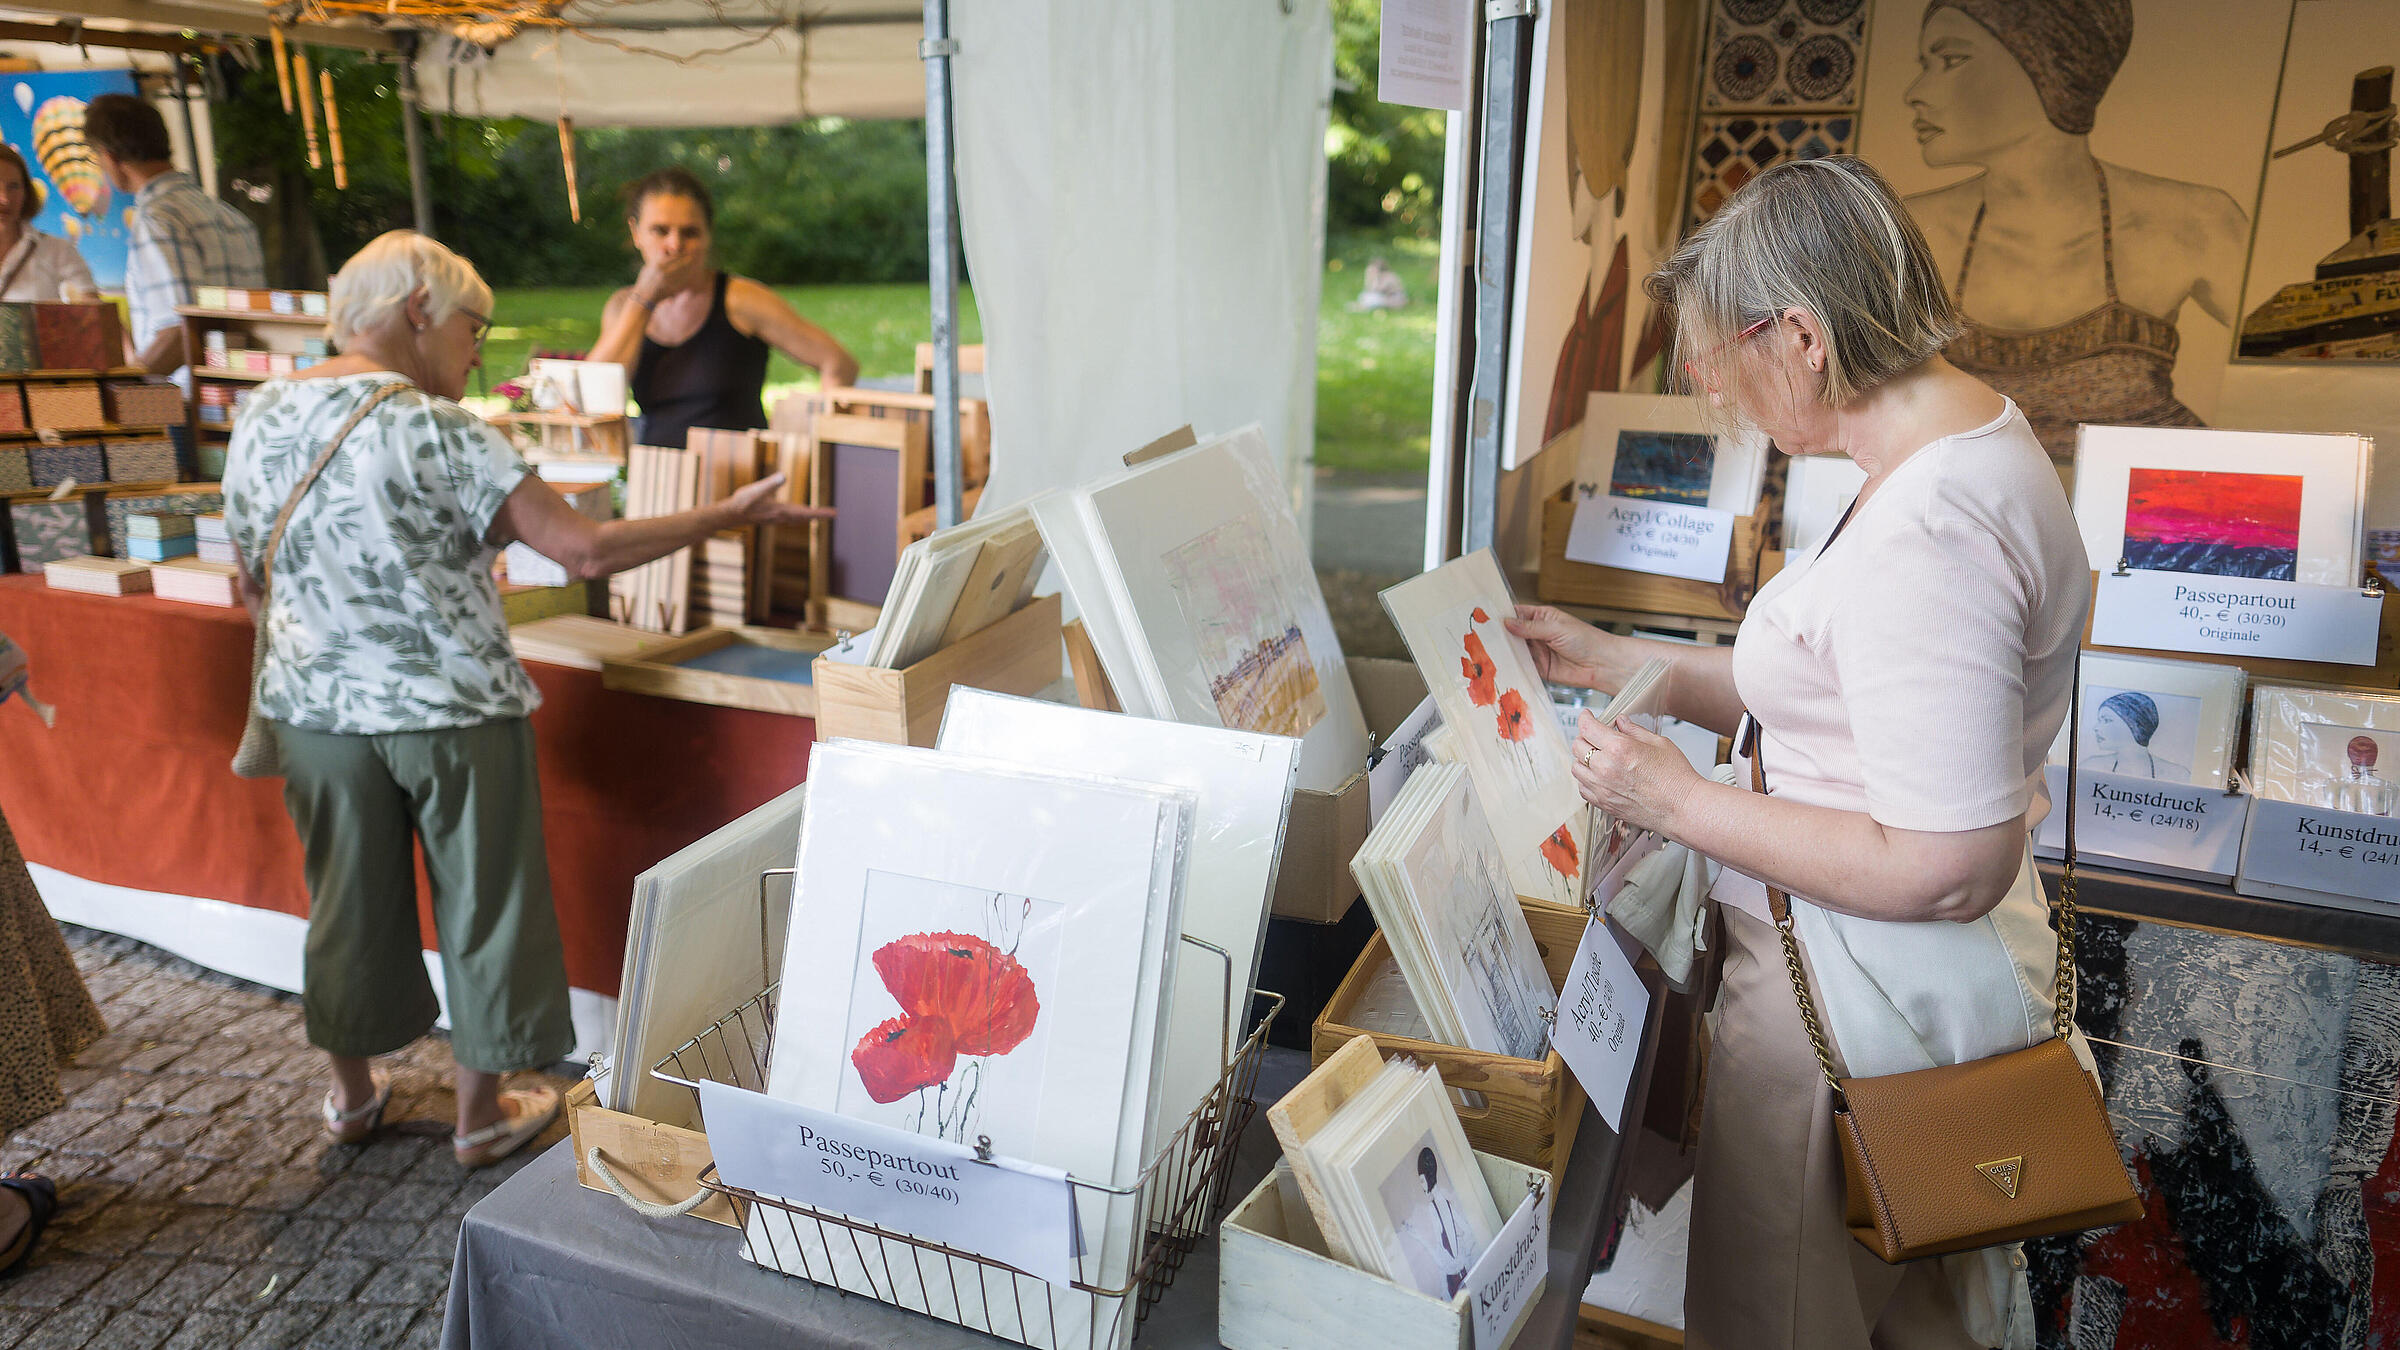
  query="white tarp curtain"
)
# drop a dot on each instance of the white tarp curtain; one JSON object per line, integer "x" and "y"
{"x": 854, "y": 59}
{"x": 1142, "y": 191}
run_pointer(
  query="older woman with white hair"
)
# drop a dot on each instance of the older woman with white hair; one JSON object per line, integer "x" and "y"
{"x": 1907, "y": 679}
{"x": 398, "y": 707}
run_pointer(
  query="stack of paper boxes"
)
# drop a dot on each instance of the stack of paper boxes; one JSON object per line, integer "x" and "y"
{"x": 214, "y": 540}
{"x": 156, "y": 536}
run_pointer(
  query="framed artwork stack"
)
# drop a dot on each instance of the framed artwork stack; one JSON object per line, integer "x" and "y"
{"x": 1201, "y": 602}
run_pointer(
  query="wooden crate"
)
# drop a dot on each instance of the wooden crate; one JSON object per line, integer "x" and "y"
{"x": 1562, "y": 582}
{"x": 1278, "y": 1290}
{"x": 662, "y": 671}
{"x": 658, "y": 1163}
{"x": 1531, "y": 1108}
{"x": 1017, "y": 655}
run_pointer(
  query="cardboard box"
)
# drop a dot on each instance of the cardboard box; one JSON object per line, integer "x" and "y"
{"x": 1328, "y": 828}
{"x": 1278, "y": 1290}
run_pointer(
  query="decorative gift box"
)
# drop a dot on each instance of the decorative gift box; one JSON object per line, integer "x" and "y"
{"x": 48, "y": 531}
{"x": 119, "y": 511}
{"x": 16, "y": 469}
{"x": 81, "y": 461}
{"x": 68, "y": 405}
{"x": 12, "y": 408}
{"x": 144, "y": 461}
{"x": 79, "y": 336}
{"x": 161, "y": 525}
{"x": 160, "y": 550}
{"x": 17, "y": 349}
{"x": 141, "y": 403}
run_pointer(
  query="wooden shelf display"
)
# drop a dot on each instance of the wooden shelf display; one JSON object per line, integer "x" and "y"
{"x": 296, "y": 335}
{"x": 766, "y": 669}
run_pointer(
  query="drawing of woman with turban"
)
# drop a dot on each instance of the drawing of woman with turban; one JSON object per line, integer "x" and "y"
{"x": 2070, "y": 272}
{"x": 2121, "y": 732}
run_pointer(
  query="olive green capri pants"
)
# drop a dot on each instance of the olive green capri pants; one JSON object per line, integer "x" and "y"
{"x": 471, "y": 797}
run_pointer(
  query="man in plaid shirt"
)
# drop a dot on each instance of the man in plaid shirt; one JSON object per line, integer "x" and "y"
{"x": 182, "y": 238}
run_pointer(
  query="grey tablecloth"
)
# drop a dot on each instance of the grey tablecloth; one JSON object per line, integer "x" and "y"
{"x": 543, "y": 1262}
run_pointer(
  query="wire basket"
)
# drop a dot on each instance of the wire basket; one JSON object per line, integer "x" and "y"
{"x": 1178, "y": 1196}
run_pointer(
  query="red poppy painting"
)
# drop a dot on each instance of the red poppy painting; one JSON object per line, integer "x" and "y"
{"x": 1476, "y": 666}
{"x": 1559, "y": 851}
{"x": 964, "y": 1001}
{"x": 1515, "y": 723}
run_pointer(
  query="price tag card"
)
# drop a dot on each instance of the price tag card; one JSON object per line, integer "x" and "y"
{"x": 2312, "y": 849}
{"x": 1509, "y": 1275}
{"x": 1601, "y": 1013}
{"x": 2186, "y": 828}
{"x": 1012, "y": 1212}
{"x": 1691, "y": 542}
{"x": 2236, "y": 616}
{"x": 1398, "y": 757}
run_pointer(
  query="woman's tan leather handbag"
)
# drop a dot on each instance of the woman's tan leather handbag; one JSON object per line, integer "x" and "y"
{"x": 258, "y": 756}
{"x": 1978, "y": 1154}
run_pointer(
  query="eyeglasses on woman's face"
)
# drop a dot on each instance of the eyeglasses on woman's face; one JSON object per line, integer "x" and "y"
{"x": 482, "y": 323}
{"x": 1706, "y": 360}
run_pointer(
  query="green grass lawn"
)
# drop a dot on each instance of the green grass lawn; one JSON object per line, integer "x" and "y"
{"x": 1374, "y": 371}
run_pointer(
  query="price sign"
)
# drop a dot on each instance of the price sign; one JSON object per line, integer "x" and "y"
{"x": 1510, "y": 1273}
{"x": 2236, "y": 616}
{"x": 1426, "y": 47}
{"x": 1009, "y": 1211}
{"x": 2182, "y": 828}
{"x": 1601, "y": 1015}
{"x": 2312, "y": 849}
{"x": 1691, "y": 542}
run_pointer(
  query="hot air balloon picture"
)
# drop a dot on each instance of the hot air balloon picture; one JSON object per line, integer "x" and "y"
{"x": 42, "y": 117}
{"x": 947, "y": 1036}
{"x": 67, "y": 157}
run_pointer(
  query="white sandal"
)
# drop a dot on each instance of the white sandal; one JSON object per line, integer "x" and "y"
{"x": 524, "y": 1114}
{"x": 357, "y": 1125}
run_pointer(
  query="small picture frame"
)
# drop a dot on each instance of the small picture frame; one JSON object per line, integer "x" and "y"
{"x": 1660, "y": 447}
{"x": 2149, "y": 717}
{"x": 2332, "y": 748}
{"x": 2275, "y": 506}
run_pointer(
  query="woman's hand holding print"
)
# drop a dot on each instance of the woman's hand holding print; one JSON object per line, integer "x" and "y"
{"x": 1638, "y": 776}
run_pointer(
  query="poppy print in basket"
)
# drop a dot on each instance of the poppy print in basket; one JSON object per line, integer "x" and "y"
{"x": 953, "y": 1018}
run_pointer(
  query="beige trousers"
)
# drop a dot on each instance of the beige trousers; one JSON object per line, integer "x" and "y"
{"x": 1771, "y": 1265}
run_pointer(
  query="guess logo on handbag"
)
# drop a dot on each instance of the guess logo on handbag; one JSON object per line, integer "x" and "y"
{"x": 2003, "y": 1173}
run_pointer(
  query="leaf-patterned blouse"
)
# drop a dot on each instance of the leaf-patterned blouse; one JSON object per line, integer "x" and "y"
{"x": 382, "y": 614}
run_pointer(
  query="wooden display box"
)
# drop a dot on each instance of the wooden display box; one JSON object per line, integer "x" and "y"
{"x": 665, "y": 671}
{"x": 1327, "y": 828}
{"x": 1562, "y": 582}
{"x": 658, "y": 1163}
{"x": 1017, "y": 655}
{"x": 1278, "y": 1290}
{"x": 1531, "y": 1108}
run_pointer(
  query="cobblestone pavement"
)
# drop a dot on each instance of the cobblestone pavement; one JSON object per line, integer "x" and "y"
{"x": 202, "y": 1205}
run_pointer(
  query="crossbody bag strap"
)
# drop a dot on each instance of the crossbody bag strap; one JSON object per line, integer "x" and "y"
{"x": 2062, "y": 908}
{"x": 283, "y": 518}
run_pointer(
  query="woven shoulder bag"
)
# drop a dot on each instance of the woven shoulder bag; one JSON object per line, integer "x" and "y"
{"x": 1992, "y": 1151}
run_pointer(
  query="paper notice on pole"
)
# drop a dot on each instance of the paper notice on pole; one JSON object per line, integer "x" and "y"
{"x": 1426, "y": 47}
{"x": 1008, "y": 1211}
{"x": 1601, "y": 1013}
{"x": 1510, "y": 1273}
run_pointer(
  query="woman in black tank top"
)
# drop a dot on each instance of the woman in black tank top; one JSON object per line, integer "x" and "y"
{"x": 695, "y": 340}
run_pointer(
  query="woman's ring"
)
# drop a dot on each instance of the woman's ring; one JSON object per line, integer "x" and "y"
{"x": 1585, "y": 759}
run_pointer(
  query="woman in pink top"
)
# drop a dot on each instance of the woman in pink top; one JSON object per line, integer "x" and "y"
{"x": 1909, "y": 677}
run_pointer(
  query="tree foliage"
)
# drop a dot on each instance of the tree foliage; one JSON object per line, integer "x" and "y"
{"x": 827, "y": 200}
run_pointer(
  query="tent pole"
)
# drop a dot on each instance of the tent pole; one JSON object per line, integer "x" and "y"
{"x": 419, "y": 197}
{"x": 941, "y": 230}
{"x": 1508, "y": 44}
{"x": 206, "y": 174}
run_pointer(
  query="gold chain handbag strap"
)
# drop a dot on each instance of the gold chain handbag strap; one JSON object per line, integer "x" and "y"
{"x": 2062, "y": 909}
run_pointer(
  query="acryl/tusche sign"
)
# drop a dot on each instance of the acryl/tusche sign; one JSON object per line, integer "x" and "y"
{"x": 2237, "y": 616}
{"x": 1661, "y": 538}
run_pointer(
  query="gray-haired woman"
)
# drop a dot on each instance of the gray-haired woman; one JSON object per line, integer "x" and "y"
{"x": 1909, "y": 678}
{"x": 398, "y": 705}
